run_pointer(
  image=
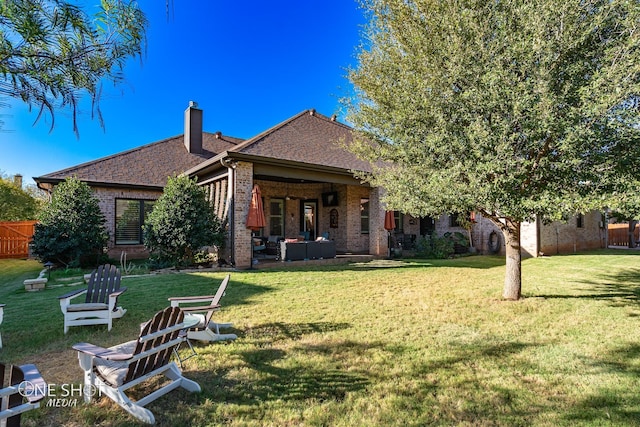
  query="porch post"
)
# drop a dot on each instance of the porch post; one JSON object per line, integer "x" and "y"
{"x": 378, "y": 236}
{"x": 242, "y": 198}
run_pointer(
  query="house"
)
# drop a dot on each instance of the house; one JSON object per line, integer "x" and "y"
{"x": 307, "y": 185}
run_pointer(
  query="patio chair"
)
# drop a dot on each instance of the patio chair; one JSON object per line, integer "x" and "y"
{"x": 206, "y": 329}
{"x": 259, "y": 246}
{"x": 100, "y": 304}
{"x": 24, "y": 391}
{"x": 114, "y": 370}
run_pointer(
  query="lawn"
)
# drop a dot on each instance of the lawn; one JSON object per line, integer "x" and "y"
{"x": 388, "y": 343}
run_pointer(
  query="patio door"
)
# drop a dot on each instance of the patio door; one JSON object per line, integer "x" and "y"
{"x": 309, "y": 218}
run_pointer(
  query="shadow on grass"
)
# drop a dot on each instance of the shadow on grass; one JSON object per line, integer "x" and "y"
{"x": 278, "y": 331}
{"x": 312, "y": 371}
{"x": 475, "y": 262}
{"x": 620, "y": 290}
{"x": 609, "y": 404}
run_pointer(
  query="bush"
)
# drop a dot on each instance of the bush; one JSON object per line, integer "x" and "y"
{"x": 434, "y": 247}
{"x": 71, "y": 229}
{"x": 182, "y": 221}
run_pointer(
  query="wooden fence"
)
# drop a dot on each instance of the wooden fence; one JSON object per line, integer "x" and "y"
{"x": 15, "y": 237}
{"x": 619, "y": 234}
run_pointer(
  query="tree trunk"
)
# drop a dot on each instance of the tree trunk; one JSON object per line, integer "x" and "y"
{"x": 632, "y": 237}
{"x": 513, "y": 277}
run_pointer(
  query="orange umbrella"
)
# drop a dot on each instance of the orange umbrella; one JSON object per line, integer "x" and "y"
{"x": 389, "y": 221}
{"x": 255, "y": 218}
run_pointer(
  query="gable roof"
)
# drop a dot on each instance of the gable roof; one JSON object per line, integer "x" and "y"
{"x": 146, "y": 166}
{"x": 307, "y": 137}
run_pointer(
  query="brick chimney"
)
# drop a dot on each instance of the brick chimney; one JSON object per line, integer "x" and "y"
{"x": 17, "y": 180}
{"x": 193, "y": 128}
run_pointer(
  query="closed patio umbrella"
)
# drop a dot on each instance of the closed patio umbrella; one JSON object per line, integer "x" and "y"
{"x": 255, "y": 217}
{"x": 389, "y": 225}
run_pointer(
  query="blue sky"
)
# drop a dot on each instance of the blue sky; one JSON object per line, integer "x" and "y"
{"x": 249, "y": 65}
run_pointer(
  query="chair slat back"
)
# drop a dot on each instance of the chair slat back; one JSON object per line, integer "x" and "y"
{"x": 162, "y": 320}
{"x": 15, "y": 377}
{"x": 104, "y": 280}
{"x": 217, "y": 297}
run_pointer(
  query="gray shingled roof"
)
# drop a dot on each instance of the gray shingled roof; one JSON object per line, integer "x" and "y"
{"x": 307, "y": 137}
{"x": 148, "y": 165}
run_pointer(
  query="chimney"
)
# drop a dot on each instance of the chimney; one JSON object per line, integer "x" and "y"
{"x": 193, "y": 128}
{"x": 17, "y": 180}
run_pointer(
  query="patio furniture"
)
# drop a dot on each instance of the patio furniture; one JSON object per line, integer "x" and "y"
{"x": 24, "y": 391}
{"x": 296, "y": 251}
{"x": 273, "y": 245}
{"x": 101, "y": 299}
{"x": 1, "y": 318}
{"x": 259, "y": 245}
{"x": 206, "y": 329}
{"x": 116, "y": 369}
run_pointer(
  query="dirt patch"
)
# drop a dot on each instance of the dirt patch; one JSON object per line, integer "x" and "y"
{"x": 60, "y": 367}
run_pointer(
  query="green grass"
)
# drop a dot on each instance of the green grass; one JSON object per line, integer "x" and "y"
{"x": 388, "y": 343}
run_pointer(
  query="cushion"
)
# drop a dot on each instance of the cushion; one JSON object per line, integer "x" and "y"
{"x": 87, "y": 306}
{"x": 114, "y": 371}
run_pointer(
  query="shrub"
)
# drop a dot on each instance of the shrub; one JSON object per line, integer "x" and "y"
{"x": 434, "y": 247}
{"x": 182, "y": 221}
{"x": 71, "y": 229}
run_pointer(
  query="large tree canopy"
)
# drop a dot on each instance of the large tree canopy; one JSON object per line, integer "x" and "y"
{"x": 52, "y": 52}
{"x": 510, "y": 108}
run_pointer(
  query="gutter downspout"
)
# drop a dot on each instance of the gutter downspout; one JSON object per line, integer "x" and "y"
{"x": 231, "y": 195}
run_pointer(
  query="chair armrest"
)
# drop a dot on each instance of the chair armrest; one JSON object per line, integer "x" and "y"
{"x": 201, "y": 298}
{"x": 101, "y": 352}
{"x": 201, "y": 308}
{"x": 35, "y": 380}
{"x": 119, "y": 292}
{"x": 73, "y": 294}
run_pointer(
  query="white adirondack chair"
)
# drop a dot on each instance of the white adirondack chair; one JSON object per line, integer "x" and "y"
{"x": 206, "y": 329}
{"x": 24, "y": 391}
{"x": 1, "y": 319}
{"x": 116, "y": 369}
{"x": 100, "y": 306}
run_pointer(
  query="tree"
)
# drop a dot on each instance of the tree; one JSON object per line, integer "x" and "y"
{"x": 71, "y": 229}
{"x": 512, "y": 109}
{"x": 16, "y": 204}
{"x": 52, "y": 52}
{"x": 625, "y": 206}
{"x": 182, "y": 221}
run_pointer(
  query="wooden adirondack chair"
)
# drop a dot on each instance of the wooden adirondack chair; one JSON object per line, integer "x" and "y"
{"x": 25, "y": 390}
{"x": 115, "y": 369}
{"x": 206, "y": 329}
{"x": 100, "y": 305}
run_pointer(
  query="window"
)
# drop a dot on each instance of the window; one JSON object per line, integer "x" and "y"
{"x": 130, "y": 216}
{"x": 364, "y": 216}
{"x": 453, "y": 220}
{"x": 580, "y": 221}
{"x": 398, "y": 218}
{"x": 276, "y": 217}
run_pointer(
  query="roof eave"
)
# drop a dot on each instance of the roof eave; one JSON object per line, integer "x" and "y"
{"x": 54, "y": 181}
{"x": 216, "y": 163}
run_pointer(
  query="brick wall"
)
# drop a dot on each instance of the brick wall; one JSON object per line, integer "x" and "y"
{"x": 559, "y": 237}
